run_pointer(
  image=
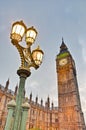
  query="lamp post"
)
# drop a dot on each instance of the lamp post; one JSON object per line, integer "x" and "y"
{"x": 28, "y": 59}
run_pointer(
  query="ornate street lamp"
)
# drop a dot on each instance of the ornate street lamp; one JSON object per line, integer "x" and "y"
{"x": 29, "y": 59}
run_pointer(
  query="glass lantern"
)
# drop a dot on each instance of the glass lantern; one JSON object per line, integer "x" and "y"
{"x": 31, "y": 34}
{"x": 37, "y": 56}
{"x": 18, "y": 31}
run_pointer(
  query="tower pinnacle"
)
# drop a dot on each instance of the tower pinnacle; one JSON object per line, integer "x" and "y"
{"x": 63, "y": 47}
{"x": 7, "y": 84}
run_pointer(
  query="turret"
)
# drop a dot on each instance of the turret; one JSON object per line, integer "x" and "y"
{"x": 7, "y": 84}
{"x": 36, "y": 99}
{"x": 16, "y": 89}
{"x": 30, "y": 96}
{"x": 41, "y": 102}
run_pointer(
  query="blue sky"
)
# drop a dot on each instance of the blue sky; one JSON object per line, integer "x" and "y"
{"x": 53, "y": 20}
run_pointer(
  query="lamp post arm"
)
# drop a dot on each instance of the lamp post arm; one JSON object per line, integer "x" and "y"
{"x": 26, "y": 56}
{"x": 20, "y": 50}
{"x": 30, "y": 61}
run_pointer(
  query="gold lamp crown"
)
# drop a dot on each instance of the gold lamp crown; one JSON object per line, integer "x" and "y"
{"x": 37, "y": 56}
{"x": 18, "y": 31}
{"x": 31, "y": 34}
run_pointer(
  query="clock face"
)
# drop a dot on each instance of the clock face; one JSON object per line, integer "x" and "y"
{"x": 63, "y": 62}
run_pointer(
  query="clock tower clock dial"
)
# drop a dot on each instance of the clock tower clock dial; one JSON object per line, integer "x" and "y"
{"x": 63, "y": 62}
{"x": 68, "y": 94}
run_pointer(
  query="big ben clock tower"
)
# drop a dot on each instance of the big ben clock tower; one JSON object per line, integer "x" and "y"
{"x": 70, "y": 113}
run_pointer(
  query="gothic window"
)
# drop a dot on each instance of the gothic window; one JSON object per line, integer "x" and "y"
{"x": 8, "y": 100}
{"x": 39, "y": 113}
{"x": 56, "y": 120}
{"x": 0, "y": 99}
{"x": 33, "y": 112}
{"x": 66, "y": 99}
{"x": 0, "y": 121}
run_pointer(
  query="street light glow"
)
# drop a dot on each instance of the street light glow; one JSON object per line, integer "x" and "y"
{"x": 18, "y": 31}
{"x": 31, "y": 35}
{"x": 37, "y": 55}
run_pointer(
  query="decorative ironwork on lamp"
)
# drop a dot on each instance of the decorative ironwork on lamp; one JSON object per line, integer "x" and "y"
{"x": 28, "y": 58}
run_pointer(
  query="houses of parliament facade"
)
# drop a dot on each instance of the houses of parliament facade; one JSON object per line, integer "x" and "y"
{"x": 67, "y": 116}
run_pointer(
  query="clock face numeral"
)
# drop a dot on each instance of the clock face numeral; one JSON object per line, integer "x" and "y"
{"x": 63, "y": 62}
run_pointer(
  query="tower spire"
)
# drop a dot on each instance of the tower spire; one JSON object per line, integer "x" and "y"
{"x": 36, "y": 99}
{"x": 63, "y": 47}
{"x": 7, "y": 84}
{"x": 30, "y": 96}
{"x": 16, "y": 89}
{"x": 41, "y": 102}
{"x": 62, "y": 40}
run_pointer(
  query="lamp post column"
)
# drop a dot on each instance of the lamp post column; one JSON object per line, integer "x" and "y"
{"x": 25, "y": 108}
{"x": 11, "y": 107}
{"x": 20, "y": 97}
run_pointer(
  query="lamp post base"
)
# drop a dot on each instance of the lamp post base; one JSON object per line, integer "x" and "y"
{"x": 23, "y": 72}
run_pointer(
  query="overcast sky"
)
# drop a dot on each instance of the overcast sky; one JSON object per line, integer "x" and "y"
{"x": 53, "y": 20}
